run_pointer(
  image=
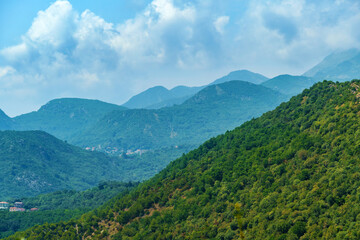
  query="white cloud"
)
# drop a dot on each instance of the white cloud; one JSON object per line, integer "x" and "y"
{"x": 15, "y": 52}
{"x": 53, "y": 26}
{"x": 220, "y": 23}
{"x": 6, "y": 70}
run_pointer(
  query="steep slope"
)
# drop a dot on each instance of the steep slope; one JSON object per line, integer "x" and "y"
{"x": 288, "y": 84}
{"x": 157, "y": 97}
{"x": 213, "y": 110}
{"x": 63, "y": 117}
{"x": 34, "y": 162}
{"x": 291, "y": 174}
{"x": 6, "y": 123}
{"x": 242, "y": 75}
{"x": 338, "y": 66}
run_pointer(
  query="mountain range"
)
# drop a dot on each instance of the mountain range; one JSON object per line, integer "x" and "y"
{"x": 158, "y": 97}
{"x": 289, "y": 174}
{"x": 213, "y": 110}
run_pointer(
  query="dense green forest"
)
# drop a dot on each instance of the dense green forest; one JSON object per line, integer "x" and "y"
{"x": 60, "y": 206}
{"x": 293, "y": 173}
{"x": 34, "y": 162}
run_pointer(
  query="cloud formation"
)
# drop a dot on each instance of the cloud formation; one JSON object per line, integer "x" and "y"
{"x": 70, "y": 54}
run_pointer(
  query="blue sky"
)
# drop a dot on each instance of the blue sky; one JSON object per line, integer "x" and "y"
{"x": 111, "y": 50}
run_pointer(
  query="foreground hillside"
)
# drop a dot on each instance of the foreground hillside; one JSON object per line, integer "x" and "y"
{"x": 291, "y": 174}
{"x": 34, "y": 162}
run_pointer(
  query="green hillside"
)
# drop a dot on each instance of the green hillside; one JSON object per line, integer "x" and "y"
{"x": 64, "y": 117}
{"x": 59, "y": 206}
{"x": 288, "y": 84}
{"x": 34, "y": 162}
{"x": 210, "y": 112}
{"x": 338, "y": 66}
{"x": 293, "y": 173}
{"x": 6, "y": 123}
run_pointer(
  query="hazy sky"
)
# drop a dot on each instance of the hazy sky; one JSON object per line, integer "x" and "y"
{"x": 111, "y": 49}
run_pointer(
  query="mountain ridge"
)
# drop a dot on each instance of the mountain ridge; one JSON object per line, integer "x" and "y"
{"x": 158, "y": 96}
{"x": 63, "y": 117}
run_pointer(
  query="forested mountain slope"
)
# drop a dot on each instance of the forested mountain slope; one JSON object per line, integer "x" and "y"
{"x": 34, "y": 162}
{"x": 293, "y": 173}
{"x": 65, "y": 116}
{"x": 212, "y": 111}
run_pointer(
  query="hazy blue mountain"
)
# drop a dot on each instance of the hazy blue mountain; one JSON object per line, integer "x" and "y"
{"x": 63, "y": 117}
{"x": 211, "y": 111}
{"x": 338, "y": 66}
{"x": 170, "y": 102}
{"x": 242, "y": 75}
{"x": 34, "y": 162}
{"x": 6, "y": 122}
{"x": 288, "y": 84}
{"x": 157, "y": 97}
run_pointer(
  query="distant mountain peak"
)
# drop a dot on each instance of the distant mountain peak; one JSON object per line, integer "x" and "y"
{"x": 242, "y": 75}
{"x": 338, "y": 66}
